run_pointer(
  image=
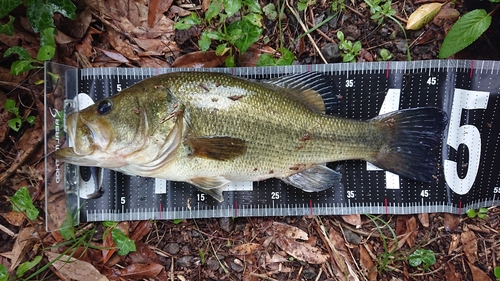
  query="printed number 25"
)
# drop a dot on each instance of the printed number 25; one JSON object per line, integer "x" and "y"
{"x": 467, "y": 135}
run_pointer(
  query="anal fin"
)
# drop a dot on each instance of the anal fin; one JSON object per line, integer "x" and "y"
{"x": 212, "y": 186}
{"x": 314, "y": 179}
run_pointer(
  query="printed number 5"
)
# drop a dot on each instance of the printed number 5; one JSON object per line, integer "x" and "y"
{"x": 467, "y": 135}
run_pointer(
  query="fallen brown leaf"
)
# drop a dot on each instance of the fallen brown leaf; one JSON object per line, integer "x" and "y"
{"x": 450, "y": 273}
{"x": 369, "y": 267}
{"x": 140, "y": 271}
{"x": 451, "y": 222}
{"x": 289, "y": 231}
{"x": 301, "y": 250}
{"x": 455, "y": 240}
{"x": 424, "y": 219}
{"x": 24, "y": 242}
{"x": 120, "y": 45}
{"x": 199, "y": 60}
{"x": 354, "y": 219}
{"x": 477, "y": 273}
{"x": 73, "y": 269}
{"x": 14, "y": 218}
{"x": 244, "y": 249}
{"x": 469, "y": 243}
{"x": 114, "y": 55}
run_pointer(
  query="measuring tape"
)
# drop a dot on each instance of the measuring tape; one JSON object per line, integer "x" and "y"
{"x": 468, "y": 176}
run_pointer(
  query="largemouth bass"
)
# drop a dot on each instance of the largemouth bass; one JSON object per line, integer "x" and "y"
{"x": 209, "y": 129}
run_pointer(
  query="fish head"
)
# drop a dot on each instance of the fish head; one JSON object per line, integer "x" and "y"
{"x": 105, "y": 133}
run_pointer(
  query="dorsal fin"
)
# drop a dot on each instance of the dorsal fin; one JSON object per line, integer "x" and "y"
{"x": 307, "y": 88}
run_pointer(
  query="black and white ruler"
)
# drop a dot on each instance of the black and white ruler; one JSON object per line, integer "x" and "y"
{"x": 468, "y": 177}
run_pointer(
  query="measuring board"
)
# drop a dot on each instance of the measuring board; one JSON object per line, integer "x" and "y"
{"x": 469, "y": 168}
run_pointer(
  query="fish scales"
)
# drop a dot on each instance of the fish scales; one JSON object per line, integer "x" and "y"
{"x": 210, "y": 129}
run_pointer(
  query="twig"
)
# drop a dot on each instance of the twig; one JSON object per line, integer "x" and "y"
{"x": 306, "y": 30}
{"x": 322, "y": 33}
{"x": 263, "y": 276}
{"x": 8, "y": 231}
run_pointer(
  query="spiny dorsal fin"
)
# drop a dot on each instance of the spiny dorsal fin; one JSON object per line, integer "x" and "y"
{"x": 217, "y": 148}
{"x": 307, "y": 88}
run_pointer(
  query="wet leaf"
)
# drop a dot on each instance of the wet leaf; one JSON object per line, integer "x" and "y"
{"x": 422, "y": 256}
{"x": 465, "y": 31}
{"x": 63, "y": 7}
{"x": 8, "y": 5}
{"x": 423, "y": 15}
{"x": 354, "y": 219}
{"x": 14, "y": 218}
{"x": 243, "y": 34}
{"x": 74, "y": 269}
{"x": 469, "y": 243}
{"x": 141, "y": 271}
{"x": 199, "y": 59}
{"x": 40, "y": 16}
{"x": 231, "y": 6}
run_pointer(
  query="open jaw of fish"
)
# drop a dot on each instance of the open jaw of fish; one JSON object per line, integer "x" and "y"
{"x": 209, "y": 129}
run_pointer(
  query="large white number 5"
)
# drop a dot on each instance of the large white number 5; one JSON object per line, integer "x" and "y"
{"x": 467, "y": 135}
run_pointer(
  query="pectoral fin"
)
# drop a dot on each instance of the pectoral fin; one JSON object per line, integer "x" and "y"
{"x": 212, "y": 186}
{"x": 217, "y": 148}
{"x": 314, "y": 179}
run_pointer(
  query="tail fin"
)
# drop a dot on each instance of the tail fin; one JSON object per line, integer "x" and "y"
{"x": 412, "y": 139}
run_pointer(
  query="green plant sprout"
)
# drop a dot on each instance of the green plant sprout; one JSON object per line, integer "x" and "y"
{"x": 381, "y": 9}
{"x": 422, "y": 256}
{"x": 40, "y": 17}
{"x": 338, "y": 6}
{"x": 22, "y": 202}
{"x": 303, "y": 4}
{"x": 466, "y": 30}
{"x": 385, "y": 55}
{"x": 496, "y": 272}
{"x": 124, "y": 244}
{"x": 349, "y": 50}
{"x": 240, "y": 34}
{"x": 16, "y": 122}
{"x": 481, "y": 213}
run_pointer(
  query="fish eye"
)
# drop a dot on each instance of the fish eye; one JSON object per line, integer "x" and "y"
{"x": 104, "y": 107}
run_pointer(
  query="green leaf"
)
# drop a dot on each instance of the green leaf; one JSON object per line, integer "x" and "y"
{"x": 4, "y": 275}
{"x": 25, "y": 266}
{"x": 204, "y": 42}
{"x": 496, "y": 271}
{"x": 177, "y": 221}
{"x": 270, "y": 11}
{"x": 301, "y": 6}
{"x": 253, "y": 6}
{"x": 47, "y": 37}
{"x": 255, "y": 19}
{"x": 45, "y": 53}
{"x": 202, "y": 256}
{"x": 214, "y": 9}
{"x": 464, "y": 32}
{"x": 230, "y": 61}
{"x": 20, "y": 51}
{"x": 21, "y": 66}
{"x": 31, "y": 119}
{"x": 422, "y": 256}
{"x": 111, "y": 224}
{"x": 243, "y": 34}
{"x": 15, "y": 123}
{"x": 471, "y": 213}
{"x": 6, "y": 6}
{"x": 8, "y": 28}
{"x": 123, "y": 243}
{"x": 340, "y": 35}
{"x": 221, "y": 49}
{"x": 187, "y": 22}
{"x": 21, "y": 201}
{"x": 231, "y": 6}
{"x": 64, "y": 7}
{"x": 40, "y": 16}
{"x": 67, "y": 229}
{"x": 286, "y": 58}
{"x": 10, "y": 105}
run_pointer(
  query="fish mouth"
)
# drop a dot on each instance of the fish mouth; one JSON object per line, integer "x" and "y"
{"x": 81, "y": 137}
{"x": 86, "y": 136}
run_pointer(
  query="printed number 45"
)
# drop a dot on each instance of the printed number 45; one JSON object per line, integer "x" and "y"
{"x": 467, "y": 135}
